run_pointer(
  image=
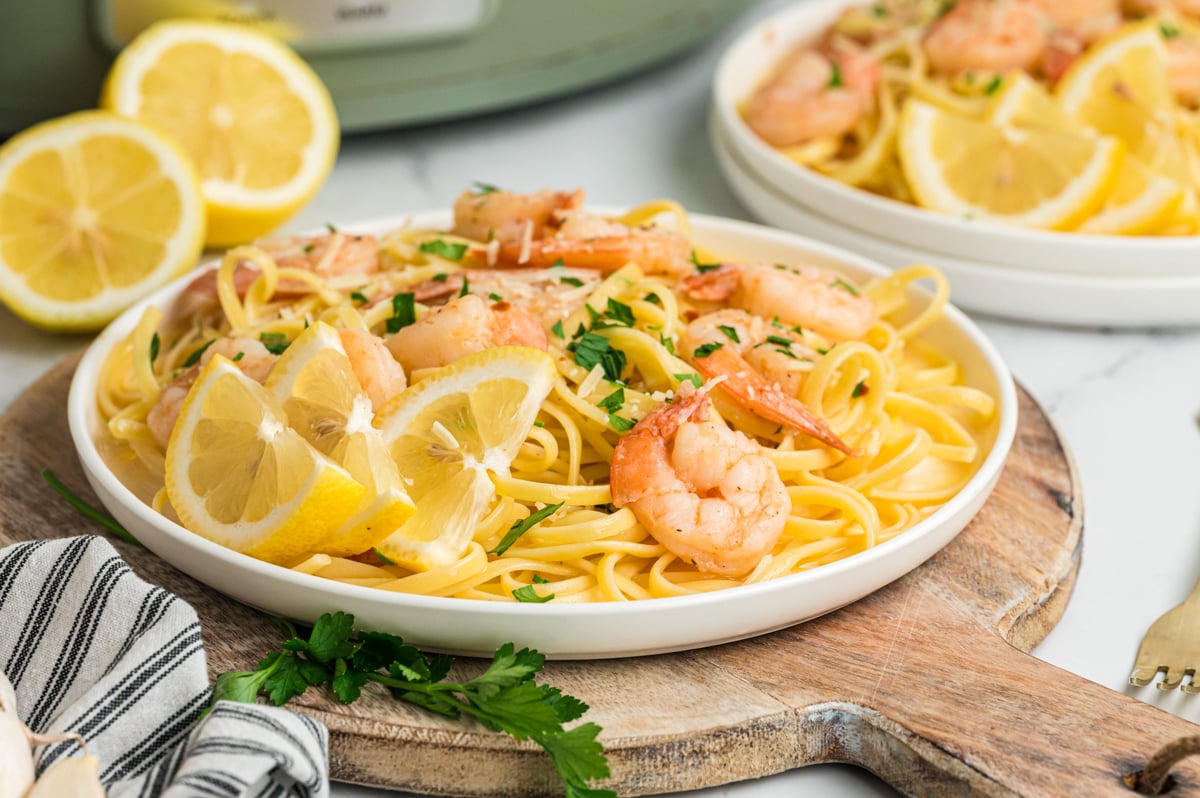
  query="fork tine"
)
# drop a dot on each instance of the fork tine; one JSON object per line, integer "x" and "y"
{"x": 1143, "y": 674}
{"x": 1172, "y": 679}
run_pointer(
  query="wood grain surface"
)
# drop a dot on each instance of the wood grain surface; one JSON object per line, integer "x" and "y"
{"x": 927, "y": 682}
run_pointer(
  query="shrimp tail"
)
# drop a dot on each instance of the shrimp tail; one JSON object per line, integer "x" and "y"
{"x": 714, "y": 285}
{"x": 766, "y": 399}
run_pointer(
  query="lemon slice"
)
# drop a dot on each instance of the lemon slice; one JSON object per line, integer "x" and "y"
{"x": 1026, "y": 176}
{"x": 1023, "y": 102}
{"x": 256, "y": 120}
{"x": 1120, "y": 88}
{"x": 96, "y": 211}
{"x": 1142, "y": 202}
{"x": 315, "y": 384}
{"x": 447, "y": 432}
{"x": 237, "y": 474}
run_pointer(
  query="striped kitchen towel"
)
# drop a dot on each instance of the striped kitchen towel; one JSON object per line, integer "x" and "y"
{"x": 95, "y": 651}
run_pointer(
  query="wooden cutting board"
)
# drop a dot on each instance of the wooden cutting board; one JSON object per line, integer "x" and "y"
{"x": 926, "y": 682}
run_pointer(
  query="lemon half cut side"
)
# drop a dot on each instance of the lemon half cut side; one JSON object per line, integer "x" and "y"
{"x": 96, "y": 211}
{"x": 256, "y": 120}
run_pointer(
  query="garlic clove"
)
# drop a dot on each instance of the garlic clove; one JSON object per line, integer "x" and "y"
{"x": 16, "y": 757}
{"x": 75, "y": 777}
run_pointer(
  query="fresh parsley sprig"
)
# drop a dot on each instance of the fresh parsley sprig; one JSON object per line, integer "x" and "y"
{"x": 504, "y": 698}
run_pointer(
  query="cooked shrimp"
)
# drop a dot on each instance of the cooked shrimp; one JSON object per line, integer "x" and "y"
{"x": 588, "y": 241}
{"x": 988, "y": 36}
{"x": 461, "y": 327}
{"x": 506, "y": 217}
{"x": 722, "y": 344}
{"x": 332, "y": 255}
{"x": 1086, "y": 20}
{"x": 248, "y": 354}
{"x": 1168, "y": 9}
{"x": 805, "y": 295}
{"x": 814, "y": 95}
{"x": 550, "y": 294}
{"x": 1183, "y": 69}
{"x": 705, "y": 492}
{"x": 380, "y": 376}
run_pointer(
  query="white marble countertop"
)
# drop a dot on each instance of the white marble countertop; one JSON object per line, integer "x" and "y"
{"x": 1126, "y": 402}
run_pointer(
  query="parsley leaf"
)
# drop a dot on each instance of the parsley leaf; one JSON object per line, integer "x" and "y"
{"x": 619, "y": 312}
{"x": 443, "y": 249}
{"x": 154, "y": 346}
{"x": 840, "y": 283}
{"x": 504, "y": 697}
{"x": 702, "y": 267}
{"x": 592, "y": 349}
{"x": 557, "y": 329}
{"x": 694, "y": 379}
{"x": 779, "y": 340}
{"x": 195, "y": 356}
{"x": 359, "y": 297}
{"x": 730, "y": 333}
{"x": 620, "y": 424}
{"x": 466, "y": 287}
{"x": 835, "y": 75}
{"x": 528, "y": 595}
{"x": 575, "y": 281}
{"x": 483, "y": 188}
{"x": 519, "y": 528}
{"x": 613, "y": 402}
{"x": 404, "y": 312}
{"x": 707, "y": 349}
{"x": 275, "y": 343}
{"x": 859, "y": 390}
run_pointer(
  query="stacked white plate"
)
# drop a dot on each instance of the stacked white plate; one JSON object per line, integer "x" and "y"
{"x": 1029, "y": 275}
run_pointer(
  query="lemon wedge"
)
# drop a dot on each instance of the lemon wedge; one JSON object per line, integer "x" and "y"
{"x": 1120, "y": 88}
{"x": 255, "y": 119}
{"x": 1142, "y": 202}
{"x": 315, "y": 385}
{"x": 447, "y": 432}
{"x": 96, "y": 211}
{"x": 1027, "y": 176}
{"x": 1023, "y": 102}
{"x": 237, "y": 474}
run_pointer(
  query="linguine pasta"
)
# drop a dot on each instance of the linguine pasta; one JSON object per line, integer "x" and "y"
{"x": 919, "y": 432}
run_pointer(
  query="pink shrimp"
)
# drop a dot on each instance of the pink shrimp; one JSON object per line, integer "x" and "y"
{"x": 815, "y": 94}
{"x": 705, "y": 492}
{"x": 378, "y": 373}
{"x": 988, "y": 36}
{"x": 461, "y": 327}
{"x": 805, "y": 295}
{"x": 721, "y": 344}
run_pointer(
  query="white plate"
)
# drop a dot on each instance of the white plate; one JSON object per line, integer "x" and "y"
{"x": 568, "y": 631}
{"x": 750, "y": 58}
{"x": 1040, "y": 296}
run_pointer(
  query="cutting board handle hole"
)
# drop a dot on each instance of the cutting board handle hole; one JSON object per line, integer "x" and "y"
{"x": 1155, "y": 778}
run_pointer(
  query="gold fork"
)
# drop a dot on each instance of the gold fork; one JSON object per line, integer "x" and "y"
{"x": 1172, "y": 644}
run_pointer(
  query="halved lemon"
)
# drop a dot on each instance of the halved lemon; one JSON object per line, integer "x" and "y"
{"x": 447, "y": 432}
{"x": 256, "y": 120}
{"x": 975, "y": 169}
{"x": 316, "y": 386}
{"x": 237, "y": 474}
{"x": 1120, "y": 88}
{"x": 96, "y": 211}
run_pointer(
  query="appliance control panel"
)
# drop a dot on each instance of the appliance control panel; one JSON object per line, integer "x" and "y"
{"x": 307, "y": 25}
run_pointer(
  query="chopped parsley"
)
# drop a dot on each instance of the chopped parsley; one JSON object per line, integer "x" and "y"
{"x": 274, "y": 342}
{"x": 592, "y": 350}
{"x": 519, "y": 528}
{"x": 483, "y": 188}
{"x": 653, "y": 297}
{"x": 668, "y": 343}
{"x": 879, "y": 10}
{"x": 859, "y": 390}
{"x": 495, "y": 297}
{"x": 779, "y": 340}
{"x": 528, "y": 595}
{"x": 538, "y": 579}
{"x": 707, "y": 349}
{"x": 620, "y": 424}
{"x": 383, "y": 558}
{"x": 195, "y": 356}
{"x": 440, "y": 277}
{"x": 359, "y": 297}
{"x": 575, "y": 281}
{"x": 840, "y": 283}
{"x": 539, "y": 423}
{"x": 1168, "y": 30}
{"x": 613, "y": 402}
{"x": 994, "y": 85}
{"x": 309, "y": 248}
{"x": 238, "y": 356}
{"x": 730, "y": 333}
{"x": 154, "y": 345}
{"x": 619, "y": 312}
{"x": 835, "y": 75}
{"x": 694, "y": 379}
{"x": 466, "y": 287}
{"x": 557, "y": 329}
{"x": 404, "y": 312}
{"x": 443, "y": 249}
{"x": 329, "y": 226}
